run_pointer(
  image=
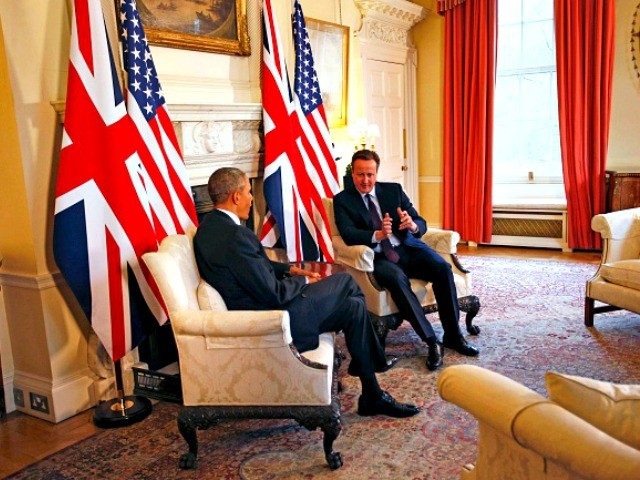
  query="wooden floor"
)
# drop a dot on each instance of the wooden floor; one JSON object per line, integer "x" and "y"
{"x": 25, "y": 440}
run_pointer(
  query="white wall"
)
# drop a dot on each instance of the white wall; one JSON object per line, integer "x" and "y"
{"x": 624, "y": 139}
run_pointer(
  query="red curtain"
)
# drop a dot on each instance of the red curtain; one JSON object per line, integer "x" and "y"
{"x": 444, "y": 5}
{"x": 470, "y": 73}
{"x": 584, "y": 55}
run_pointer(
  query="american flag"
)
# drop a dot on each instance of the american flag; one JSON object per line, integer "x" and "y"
{"x": 299, "y": 165}
{"x": 121, "y": 185}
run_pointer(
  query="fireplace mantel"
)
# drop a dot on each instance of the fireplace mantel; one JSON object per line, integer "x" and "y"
{"x": 214, "y": 136}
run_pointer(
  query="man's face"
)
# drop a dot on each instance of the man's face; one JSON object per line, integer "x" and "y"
{"x": 244, "y": 199}
{"x": 364, "y": 174}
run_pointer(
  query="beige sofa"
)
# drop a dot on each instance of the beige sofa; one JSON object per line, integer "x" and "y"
{"x": 617, "y": 281}
{"x": 523, "y": 435}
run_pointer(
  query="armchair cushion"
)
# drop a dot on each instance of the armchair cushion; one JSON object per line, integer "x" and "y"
{"x": 624, "y": 272}
{"x": 209, "y": 298}
{"x": 442, "y": 241}
{"x": 612, "y": 408}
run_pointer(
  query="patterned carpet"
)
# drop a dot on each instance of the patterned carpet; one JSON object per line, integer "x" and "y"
{"x": 531, "y": 322}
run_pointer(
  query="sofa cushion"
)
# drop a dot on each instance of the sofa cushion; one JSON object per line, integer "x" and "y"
{"x": 209, "y": 298}
{"x": 612, "y": 408}
{"x": 624, "y": 272}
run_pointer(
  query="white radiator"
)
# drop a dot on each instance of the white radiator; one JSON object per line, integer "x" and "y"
{"x": 530, "y": 227}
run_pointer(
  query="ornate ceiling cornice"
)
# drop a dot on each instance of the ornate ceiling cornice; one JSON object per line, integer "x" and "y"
{"x": 399, "y": 12}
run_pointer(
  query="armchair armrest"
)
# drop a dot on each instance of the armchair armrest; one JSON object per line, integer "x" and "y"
{"x": 617, "y": 225}
{"x": 538, "y": 424}
{"x": 359, "y": 257}
{"x": 442, "y": 241}
{"x": 234, "y": 329}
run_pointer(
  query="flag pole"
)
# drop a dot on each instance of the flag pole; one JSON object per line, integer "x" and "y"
{"x": 122, "y": 410}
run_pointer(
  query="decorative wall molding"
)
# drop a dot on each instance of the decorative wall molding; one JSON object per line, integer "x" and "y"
{"x": 33, "y": 282}
{"x": 399, "y": 12}
{"x": 430, "y": 179}
{"x": 386, "y": 33}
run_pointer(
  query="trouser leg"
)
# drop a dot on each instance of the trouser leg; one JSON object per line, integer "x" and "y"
{"x": 392, "y": 277}
{"x": 342, "y": 307}
{"x": 425, "y": 264}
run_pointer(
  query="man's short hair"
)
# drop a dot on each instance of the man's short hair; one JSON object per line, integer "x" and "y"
{"x": 366, "y": 155}
{"x": 223, "y": 182}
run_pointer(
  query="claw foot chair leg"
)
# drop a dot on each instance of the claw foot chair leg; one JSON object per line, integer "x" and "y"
{"x": 331, "y": 431}
{"x": 470, "y": 305}
{"x": 189, "y": 460}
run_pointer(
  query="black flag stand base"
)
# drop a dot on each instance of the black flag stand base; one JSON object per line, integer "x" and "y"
{"x": 123, "y": 410}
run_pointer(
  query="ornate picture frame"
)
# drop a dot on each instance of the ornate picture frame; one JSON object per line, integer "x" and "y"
{"x": 218, "y": 26}
{"x": 330, "y": 47}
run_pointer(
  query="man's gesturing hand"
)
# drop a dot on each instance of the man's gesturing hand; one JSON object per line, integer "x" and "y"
{"x": 406, "y": 222}
{"x": 385, "y": 231}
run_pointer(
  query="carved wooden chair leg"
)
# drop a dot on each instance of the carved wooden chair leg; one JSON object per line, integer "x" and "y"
{"x": 187, "y": 429}
{"x": 381, "y": 327}
{"x": 331, "y": 429}
{"x": 588, "y": 311}
{"x": 470, "y": 305}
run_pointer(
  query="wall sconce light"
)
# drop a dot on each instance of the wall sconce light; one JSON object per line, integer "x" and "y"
{"x": 363, "y": 134}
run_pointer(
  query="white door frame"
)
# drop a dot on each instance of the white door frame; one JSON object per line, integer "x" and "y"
{"x": 384, "y": 36}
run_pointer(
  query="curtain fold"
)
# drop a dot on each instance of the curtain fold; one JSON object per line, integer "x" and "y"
{"x": 470, "y": 72}
{"x": 584, "y": 55}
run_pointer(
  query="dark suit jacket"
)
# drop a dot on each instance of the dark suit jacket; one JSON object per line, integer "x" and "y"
{"x": 231, "y": 259}
{"x": 354, "y": 222}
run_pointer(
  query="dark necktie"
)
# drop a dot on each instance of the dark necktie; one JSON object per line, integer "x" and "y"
{"x": 385, "y": 243}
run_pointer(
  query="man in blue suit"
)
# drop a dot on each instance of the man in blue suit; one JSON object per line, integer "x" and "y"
{"x": 381, "y": 216}
{"x": 231, "y": 259}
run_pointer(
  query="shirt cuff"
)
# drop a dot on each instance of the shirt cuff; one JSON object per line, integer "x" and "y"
{"x": 373, "y": 238}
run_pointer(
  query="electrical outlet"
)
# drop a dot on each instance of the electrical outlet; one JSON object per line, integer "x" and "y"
{"x": 39, "y": 403}
{"x": 18, "y": 397}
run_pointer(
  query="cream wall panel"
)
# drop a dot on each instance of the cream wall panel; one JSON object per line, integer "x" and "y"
{"x": 431, "y": 203}
{"x": 624, "y": 141}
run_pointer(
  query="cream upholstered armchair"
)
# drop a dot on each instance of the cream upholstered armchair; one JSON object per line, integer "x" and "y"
{"x": 358, "y": 259}
{"x": 240, "y": 364}
{"x": 587, "y": 429}
{"x": 617, "y": 281}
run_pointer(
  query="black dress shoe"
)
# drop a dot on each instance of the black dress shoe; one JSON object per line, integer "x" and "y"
{"x": 461, "y": 346}
{"x": 391, "y": 361}
{"x": 386, "y": 405}
{"x": 434, "y": 357}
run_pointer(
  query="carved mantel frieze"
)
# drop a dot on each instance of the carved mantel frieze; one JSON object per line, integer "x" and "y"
{"x": 388, "y": 21}
{"x": 214, "y": 136}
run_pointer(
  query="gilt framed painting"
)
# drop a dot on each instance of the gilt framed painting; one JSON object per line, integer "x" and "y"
{"x": 330, "y": 47}
{"x": 205, "y": 25}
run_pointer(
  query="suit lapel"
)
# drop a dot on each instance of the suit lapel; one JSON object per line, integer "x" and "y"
{"x": 383, "y": 201}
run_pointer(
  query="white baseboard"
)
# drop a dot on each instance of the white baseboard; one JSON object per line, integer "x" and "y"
{"x": 54, "y": 400}
{"x": 7, "y": 382}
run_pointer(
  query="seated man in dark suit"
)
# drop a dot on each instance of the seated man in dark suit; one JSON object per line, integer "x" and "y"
{"x": 231, "y": 259}
{"x": 381, "y": 216}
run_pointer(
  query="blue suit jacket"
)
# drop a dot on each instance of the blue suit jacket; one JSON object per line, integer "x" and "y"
{"x": 354, "y": 222}
{"x": 231, "y": 259}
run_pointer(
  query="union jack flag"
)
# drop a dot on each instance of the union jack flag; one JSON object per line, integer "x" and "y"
{"x": 299, "y": 165}
{"x": 121, "y": 185}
